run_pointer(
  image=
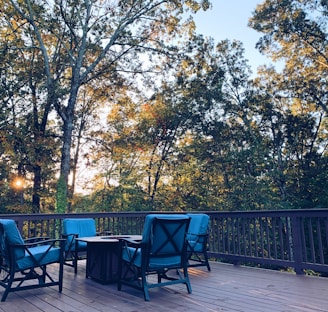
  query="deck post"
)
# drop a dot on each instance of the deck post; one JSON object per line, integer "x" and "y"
{"x": 297, "y": 250}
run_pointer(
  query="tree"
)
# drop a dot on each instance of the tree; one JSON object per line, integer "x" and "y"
{"x": 236, "y": 144}
{"x": 296, "y": 32}
{"x": 296, "y": 140}
{"x": 178, "y": 113}
{"x": 83, "y": 41}
{"x": 144, "y": 138}
{"x": 28, "y": 147}
{"x": 256, "y": 145}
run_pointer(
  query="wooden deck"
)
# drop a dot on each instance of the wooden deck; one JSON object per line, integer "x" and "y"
{"x": 226, "y": 288}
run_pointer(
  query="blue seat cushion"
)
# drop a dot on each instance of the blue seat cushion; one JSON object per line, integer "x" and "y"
{"x": 27, "y": 262}
{"x": 81, "y": 246}
{"x": 197, "y": 246}
{"x": 154, "y": 263}
{"x": 85, "y": 227}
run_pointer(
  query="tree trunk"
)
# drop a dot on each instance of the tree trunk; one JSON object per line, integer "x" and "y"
{"x": 65, "y": 167}
{"x": 36, "y": 189}
{"x": 74, "y": 165}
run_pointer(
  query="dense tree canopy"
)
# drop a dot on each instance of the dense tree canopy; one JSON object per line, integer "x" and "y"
{"x": 78, "y": 43}
{"x": 156, "y": 117}
{"x": 296, "y": 32}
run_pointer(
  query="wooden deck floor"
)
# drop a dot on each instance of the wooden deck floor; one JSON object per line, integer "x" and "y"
{"x": 226, "y": 288}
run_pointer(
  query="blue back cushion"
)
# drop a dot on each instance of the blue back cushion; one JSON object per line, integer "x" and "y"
{"x": 198, "y": 226}
{"x": 10, "y": 236}
{"x": 150, "y": 218}
{"x": 84, "y": 227}
{"x": 198, "y": 223}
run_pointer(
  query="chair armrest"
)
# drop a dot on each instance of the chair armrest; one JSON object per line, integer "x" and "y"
{"x": 37, "y": 243}
{"x": 197, "y": 237}
{"x": 71, "y": 234}
{"x": 35, "y": 239}
{"x": 197, "y": 234}
{"x": 104, "y": 233}
{"x": 130, "y": 242}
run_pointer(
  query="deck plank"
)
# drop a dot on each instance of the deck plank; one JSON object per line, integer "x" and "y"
{"x": 225, "y": 288}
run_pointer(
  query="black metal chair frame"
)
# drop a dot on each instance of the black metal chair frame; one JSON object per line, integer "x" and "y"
{"x": 198, "y": 258}
{"x": 136, "y": 276}
{"x": 72, "y": 256}
{"x": 12, "y": 278}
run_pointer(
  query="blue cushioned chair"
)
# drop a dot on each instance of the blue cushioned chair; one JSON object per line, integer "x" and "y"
{"x": 21, "y": 261}
{"x": 163, "y": 248}
{"x": 74, "y": 228}
{"x": 197, "y": 238}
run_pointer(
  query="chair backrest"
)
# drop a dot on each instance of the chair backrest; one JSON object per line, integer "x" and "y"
{"x": 198, "y": 223}
{"x": 83, "y": 227}
{"x": 10, "y": 235}
{"x": 150, "y": 219}
{"x": 198, "y": 228}
{"x": 165, "y": 238}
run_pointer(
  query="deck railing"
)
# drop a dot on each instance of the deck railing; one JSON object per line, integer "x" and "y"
{"x": 296, "y": 239}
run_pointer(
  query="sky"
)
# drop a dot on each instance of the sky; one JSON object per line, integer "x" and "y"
{"x": 228, "y": 20}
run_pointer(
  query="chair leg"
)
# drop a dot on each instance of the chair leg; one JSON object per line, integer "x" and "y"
{"x": 206, "y": 261}
{"x": 195, "y": 256}
{"x": 75, "y": 261}
{"x": 5, "y": 294}
{"x": 119, "y": 283}
{"x": 8, "y": 287}
{"x": 185, "y": 277}
{"x": 145, "y": 287}
{"x": 61, "y": 275}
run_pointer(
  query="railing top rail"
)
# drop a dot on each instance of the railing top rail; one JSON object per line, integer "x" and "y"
{"x": 273, "y": 213}
{"x": 248, "y": 214}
